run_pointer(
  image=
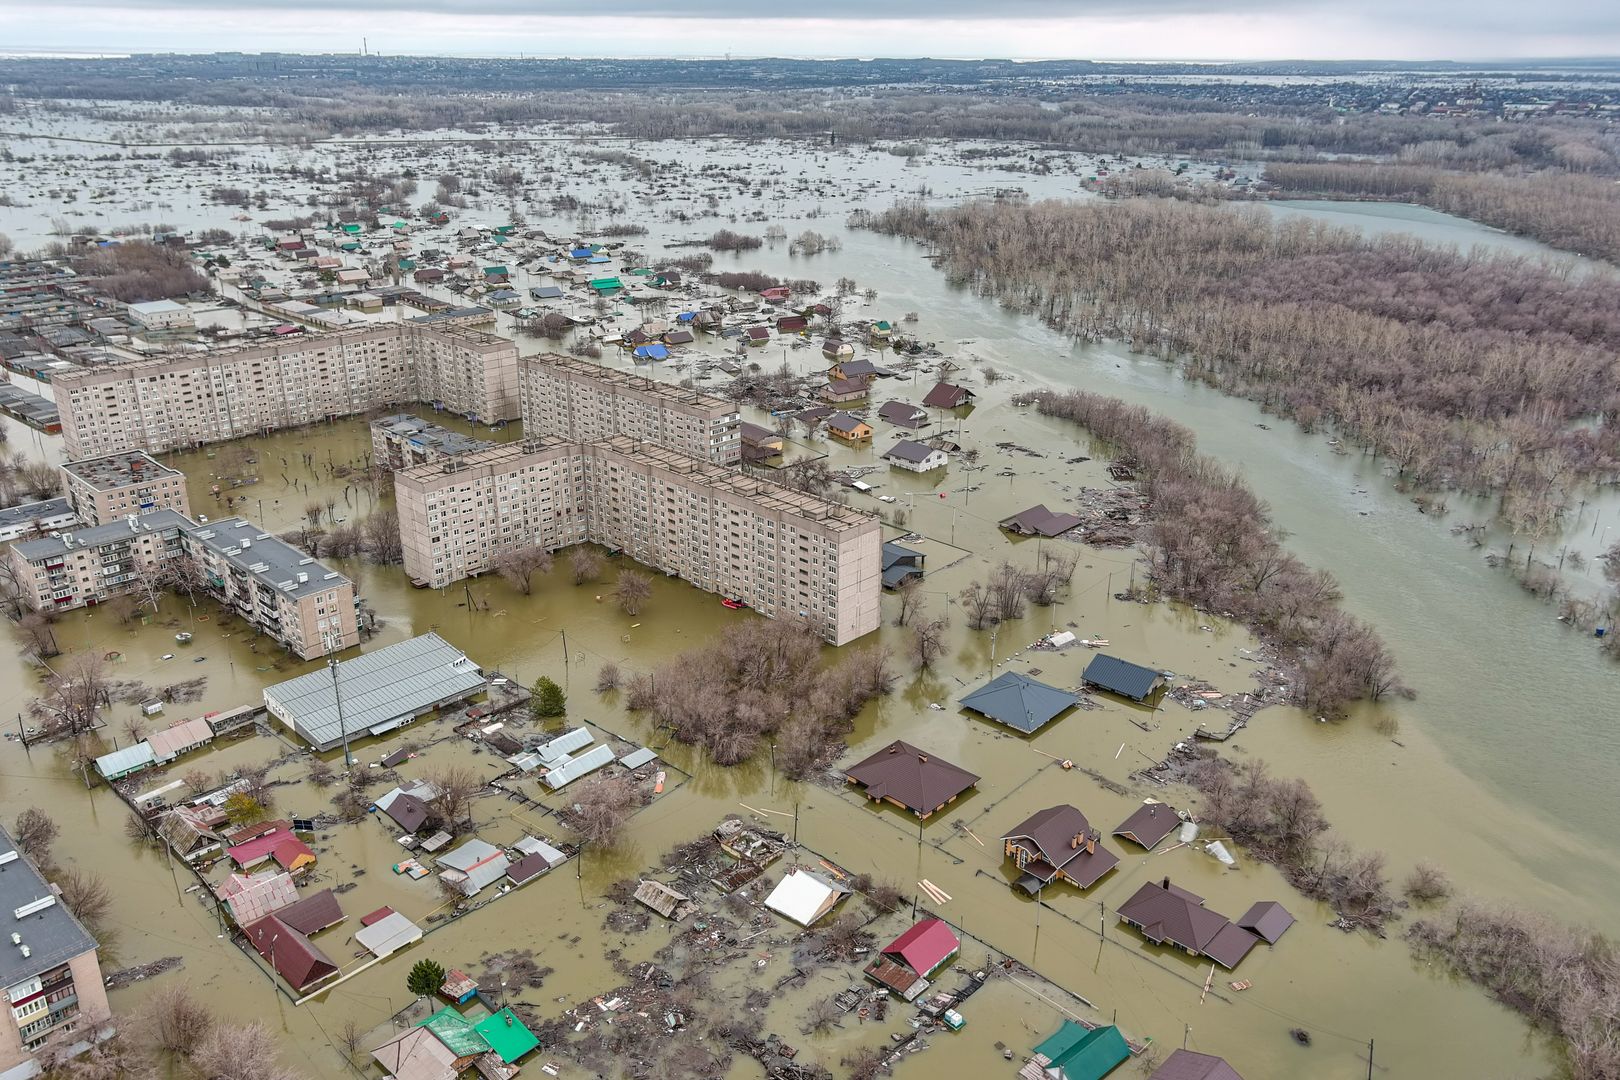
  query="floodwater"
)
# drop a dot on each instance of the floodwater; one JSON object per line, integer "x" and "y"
{"x": 1491, "y": 767}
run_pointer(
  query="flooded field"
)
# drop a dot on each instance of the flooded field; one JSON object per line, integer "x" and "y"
{"x": 1486, "y": 772}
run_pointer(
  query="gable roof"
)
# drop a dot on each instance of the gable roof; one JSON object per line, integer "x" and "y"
{"x": 1019, "y": 701}
{"x": 1187, "y": 1065}
{"x": 910, "y": 776}
{"x": 292, "y": 954}
{"x": 251, "y": 897}
{"x": 1166, "y": 913}
{"x": 1060, "y": 835}
{"x": 1122, "y": 677}
{"x": 169, "y": 742}
{"x": 912, "y": 451}
{"x": 1077, "y": 1053}
{"x": 946, "y": 395}
{"x": 1038, "y": 520}
{"x": 1267, "y": 919}
{"x": 314, "y": 912}
{"x": 1151, "y": 822}
{"x": 805, "y": 896}
{"x": 924, "y": 946}
{"x": 903, "y": 413}
{"x": 843, "y": 421}
{"x": 407, "y": 811}
{"x": 455, "y": 1031}
{"x": 416, "y": 1054}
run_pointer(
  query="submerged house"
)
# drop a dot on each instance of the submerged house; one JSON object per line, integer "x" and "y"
{"x": 1077, "y": 1052}
{"x": 1019, "y": 702}
{"x": 473, "y": 866}
{"x": 1124, "y": 678}
{"x": 915, "y": 456}
{"x": 1169, "y": 915}
{"x": 1187, "y": 1065}
{"x": 1152, "y": 822}
{"x": 849, "y": 428}
{"x": 1057, "y": 844}
{"x": 842, "y": 390}
{"x": 946, "y": 395}
{"x": 903, "y": 414}
{"x": 910, "y": 778}
{"x": 905, "y": 964}
{"x": 1039, "y": 521}
{"x": 900, "y": 565}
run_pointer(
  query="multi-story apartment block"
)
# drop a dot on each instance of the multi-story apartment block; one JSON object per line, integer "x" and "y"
{"x": 48, "y": 967}
{"x": 576, "y": 399}
{"x": 280, "y": 590}
{"x": 108, "y": 488}
{"x": 85, "y": 567}
{"x": 403, "y": 440}
{"x": 783, "y": 552}
{"x": 187, "y": 399}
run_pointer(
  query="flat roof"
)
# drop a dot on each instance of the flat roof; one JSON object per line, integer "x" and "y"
{"x": 44, "y": 510}
{"x": 424, "y": 433}
{"x": 52, "y": 933}
{"x": 119, "y": 470}
{"x": 398, "y": 680}
{"x": 272, "y": 561}
{"x": 641, "y": 384}
{"x": 100, "y": 535}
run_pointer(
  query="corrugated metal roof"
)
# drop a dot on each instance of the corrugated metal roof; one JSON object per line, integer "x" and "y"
{"x": 1121, "y": 676}
{"x": 400, "y": 680}
{"x": 566, "y": 772}
{"x": 635, "y": 759}
{"x": 388, "y": 934}
{"x": 559, "y": 748}
{"x": 171, "y": 741}
{"x": 128, "y": 759}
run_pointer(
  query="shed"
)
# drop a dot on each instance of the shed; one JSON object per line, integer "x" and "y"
{"x": 559, "y": 748}
{"x": 1019, "y": 702}
{"x": 909, "y": 777}
{"x": 635, "y": 759}
{"x": 388, "y": 935}
{"x": 900, "y": 564}
{"x": 1187, "y": 1065}
{"x": 1123, "y": 677}
{"x": 1152, "y": 822}
{"x": 121, "y": 763}
{"x": 570, "y": 769}
{"x": 529, "y": 845}
{"x": 805, "y": 896}
{"x": 458, "y": 986}
{"x": 1267, "y": 920}
{"x": 177, "y": 739}
{"x": 661, "y": 898}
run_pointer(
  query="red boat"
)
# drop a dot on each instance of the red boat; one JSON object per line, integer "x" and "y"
{"x": 734, "y": 605}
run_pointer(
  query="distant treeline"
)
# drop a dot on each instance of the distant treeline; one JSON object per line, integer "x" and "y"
{"x": 1489, "y": 374}
{"x": 1577, "y": 212}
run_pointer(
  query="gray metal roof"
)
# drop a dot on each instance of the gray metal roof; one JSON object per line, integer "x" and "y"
{"x": 52, "y": 934}
{"x": 635, "y": 759}
{"x": 432, "y": 436}
{"x": 118, "y": 762}
{"x": 1121, "y": 676}
{"x": 911, "y": 450}
{"x": 469, "y": 854}
{"x": 559, "y": 748}
{"x": 100, "y": 535}
{"x": 256, "y": 553}
{"x": 1019, "y": 701}
{"x": 401, "y": 679}
{"x": 571, "y": 769}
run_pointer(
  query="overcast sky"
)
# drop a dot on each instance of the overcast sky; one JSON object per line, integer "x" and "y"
{"x": 1102, "y": 29}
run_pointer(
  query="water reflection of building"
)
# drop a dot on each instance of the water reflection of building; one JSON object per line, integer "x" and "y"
{"x": 784, "y": 552}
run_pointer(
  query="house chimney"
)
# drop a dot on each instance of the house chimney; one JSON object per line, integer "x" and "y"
{"x": 1074, "y": 841}
{"x": 1091, "y": 845}
{"x": 1166, "y": 885}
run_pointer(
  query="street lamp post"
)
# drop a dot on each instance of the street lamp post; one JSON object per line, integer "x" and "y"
{"x": 337, "y": 695}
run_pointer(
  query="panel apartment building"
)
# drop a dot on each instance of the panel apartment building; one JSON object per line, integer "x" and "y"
{"x": 48, "y": 967}
{"x": 280, "y": 590}
{"x": 109, "y": 488}
{"x": 187, "y": 399}
{"x": 784, "y": 552}
{"x": 576, "y": 399}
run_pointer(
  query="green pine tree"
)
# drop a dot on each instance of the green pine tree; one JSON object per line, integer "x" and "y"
{"x": 425, "y": 978}
{"x": 548, "y": 699}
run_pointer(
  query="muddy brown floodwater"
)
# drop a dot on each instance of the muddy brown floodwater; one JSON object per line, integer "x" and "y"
{"x": 1486, "y": 775}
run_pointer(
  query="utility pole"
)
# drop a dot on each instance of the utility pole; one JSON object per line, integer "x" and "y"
{"x": 337, "y": 696}
{"x": 1370, "y": 1059}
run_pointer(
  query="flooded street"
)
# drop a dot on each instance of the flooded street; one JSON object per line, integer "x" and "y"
{"x": 1486, "y": 774}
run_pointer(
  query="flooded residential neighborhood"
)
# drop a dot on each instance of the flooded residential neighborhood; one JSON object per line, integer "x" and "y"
{"x": 632, "y": 614}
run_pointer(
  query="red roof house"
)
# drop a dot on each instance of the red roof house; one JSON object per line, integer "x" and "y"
{"x": 292, "y": 954}
{"x": 925, "y": 946}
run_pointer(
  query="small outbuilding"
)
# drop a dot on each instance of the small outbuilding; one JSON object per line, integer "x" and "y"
{"x": 1152, "y": 822}
{"x": 662, "y": 899}
{"x": 388, "y": 935}
{"x": 1267, "y": 920}
{"x": 805, "y": 897}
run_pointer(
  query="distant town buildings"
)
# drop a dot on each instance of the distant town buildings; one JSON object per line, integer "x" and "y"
{"x": 187, "y": 399}
{"x": 781, "y": 551}
{"x": 104, "y": 489}
{"x": 49, "y": 969}
{"x": 578, "y": 400}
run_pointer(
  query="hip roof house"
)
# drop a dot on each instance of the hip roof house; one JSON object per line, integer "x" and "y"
{"x": 1165, "y": 913}
{"x": 1019, "y": 702}
{"x": 911, "y": 778}
{"x": 1123, "y": 677}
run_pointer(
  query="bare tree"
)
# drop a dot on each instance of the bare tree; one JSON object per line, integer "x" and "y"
{"x": 85, "y": 894}
{"x": 1426, "y": 884}
{"x": 928, "y": 642}
{"x": 455, "y": 787}
{"x": 977, "y": 605}
{"x": 607, "y": 677}
{"x": 585, "y": 564}
{"x": 632, "y": 590}
{"x": 519, "y": 565}
{"x": 34, "y": 833}
{"x": 73, "y": 696}
{"x": 912, "y": 602}
{"x": 178, "y": 1022}
{"x": 602, "y": 806}
{"x": 381, "y": 538}
{"x": 245, "y": 1052}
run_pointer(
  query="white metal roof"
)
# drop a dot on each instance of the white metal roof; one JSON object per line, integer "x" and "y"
{"x": 804, "y": 897}
{"x": 635, "y": 759}
{"x": 468, "y": 854}
{"x": 388, "y": 934}
{"x": 530, "y": 845}
{"x": 122, "y": 761}
{"x": 559, "y": 748}
{"x": 396, "y": 681}
{"x": 569, "y": 769}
